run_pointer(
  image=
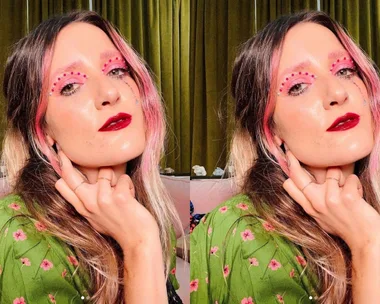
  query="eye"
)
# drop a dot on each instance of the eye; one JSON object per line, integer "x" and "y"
{"x": 297, "y": 89}
{"x": 118, "y": 72}
{"x": 69, "y": 89}
{"x": 346, "y": 72}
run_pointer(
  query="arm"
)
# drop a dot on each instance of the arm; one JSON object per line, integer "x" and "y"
{"x": 366, "y": 274}
{"x": 144, "y": 277}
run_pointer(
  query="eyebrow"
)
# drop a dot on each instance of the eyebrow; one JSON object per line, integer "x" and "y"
{"x": 76, "y": 64}
{"x": 305, "y": 64}
{"x": 338, "y": 54}
{"x": 299, "y": 66}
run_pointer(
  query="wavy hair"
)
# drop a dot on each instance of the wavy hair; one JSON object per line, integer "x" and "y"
{"x": 260, "y": 164}
{"x": 33, "y": 166}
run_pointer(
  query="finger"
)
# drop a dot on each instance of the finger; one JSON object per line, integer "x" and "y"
{"x": 71, "y": 197}
{"x": 300, "y": 177}
{"x": 72, "y": 177}
{"x": 352, "y": 190}
{"x": 333, "y": 177}
{"x": 296, "y": 194}
{"x": 104, "y": 184}
{"x": 126, "y": 186}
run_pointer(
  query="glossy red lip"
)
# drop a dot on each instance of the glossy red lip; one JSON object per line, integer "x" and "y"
{"x": 345, "y": 122}
{"x": 117, "y": 122}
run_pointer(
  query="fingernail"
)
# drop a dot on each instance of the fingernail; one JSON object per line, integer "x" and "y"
{"x": 60, "y": 161}
{"x": 58, "y": 147}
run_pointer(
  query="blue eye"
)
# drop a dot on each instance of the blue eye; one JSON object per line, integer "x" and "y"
{"x": 297, "y": 89}
{"x": 118, "y": 72}
{"x": 69, "y": 89}
{"x": 346, "y": 72}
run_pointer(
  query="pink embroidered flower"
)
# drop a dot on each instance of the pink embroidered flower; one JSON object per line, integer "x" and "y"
{"x": 25, "y": 261}
{"x": 206, "y": 280}
{"x": 268, "y": 226}
{"x": 214, "y": 250}
{"x": 1, "y": 270}
{"x": 19, "y": 235}
{"x": 242, "y": 206}
{"x": 253, "y": 262}
{"x": 203, "y": 220}
{"x": 226, "y": 271}
{"x": 223, "y": 209}
{"x": 39, "y": 226}
{"x": 73, "y": 260}
{"x": 280, "y": 298}
{"x": 51, "y": 298}
{"x": 64, "y": 273}
{"x": 301, "y": 260}
{"x": 292, "y": 273}
{"x": 247, "y": 301}
{"x": 46, "y": 265}
{"x": 194, "y": 285}
{"x": 19, "y": 301}
{"x": 209, "y": 230}
{"x": 173, "y": 271}
{"x": 14, "y": 206}
{"x": 274, "y": 264}
{"x": 247, "y": 235}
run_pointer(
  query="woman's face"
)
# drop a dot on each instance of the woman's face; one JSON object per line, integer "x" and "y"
{"x": 322, "y": 107}
{"x": 94, "y": 110}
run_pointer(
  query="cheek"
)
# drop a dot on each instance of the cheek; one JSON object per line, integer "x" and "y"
{"x": 297, "y": 122}
{"x": 67, "y": 121}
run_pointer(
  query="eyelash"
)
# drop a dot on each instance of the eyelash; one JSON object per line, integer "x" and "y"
{"x": 71, "y": 92}
{"x": 351, "y": 69}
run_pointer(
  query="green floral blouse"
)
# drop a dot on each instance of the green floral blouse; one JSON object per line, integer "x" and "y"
{"x": 36, "y": 267}
{"x": 238, "y": 258}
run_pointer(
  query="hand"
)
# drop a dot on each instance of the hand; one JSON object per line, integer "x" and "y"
{"x": 110, "y": 208}
{"x": 337, "y": 205}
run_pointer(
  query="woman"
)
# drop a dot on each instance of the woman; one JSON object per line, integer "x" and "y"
{"x": 305, "y": 228}
{"x": 88, "y": 218}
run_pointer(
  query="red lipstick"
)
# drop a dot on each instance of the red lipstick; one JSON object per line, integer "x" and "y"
{"x": 345, "y": 122}
{"x": 117, "y": 122}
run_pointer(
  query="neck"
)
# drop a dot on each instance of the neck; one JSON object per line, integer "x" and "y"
{"x": 93, "y": 173}
{"x": 320, "y": 173}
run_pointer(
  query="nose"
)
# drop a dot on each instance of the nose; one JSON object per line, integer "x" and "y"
{"x": 337, "y": 93}
{"x": 108, "y": 93}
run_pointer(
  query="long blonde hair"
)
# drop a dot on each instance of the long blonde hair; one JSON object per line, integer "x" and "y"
{"x": 32, "y": 166}
{"x": 260, "y": 166}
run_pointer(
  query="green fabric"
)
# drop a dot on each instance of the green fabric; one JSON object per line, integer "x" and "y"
{"x": 36, "y": 267}
{"x": 159, "y": 31}
{"x": 236, "y": 257}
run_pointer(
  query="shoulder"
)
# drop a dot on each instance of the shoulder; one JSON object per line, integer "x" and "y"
{"x": 237, "y": 256}
{"x": 237, "y": 215}
{"x": 38, "y": 263}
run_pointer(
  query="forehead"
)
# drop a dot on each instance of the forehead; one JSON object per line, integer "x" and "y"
{"x": 79, "y": 41}
{"x": 308, "y": 42}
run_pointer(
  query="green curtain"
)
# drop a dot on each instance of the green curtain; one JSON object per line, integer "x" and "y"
{"x": 18, "y": 18}
{"x": 361, "y": 19}
{"x": 218, "y": 28}
{"x": 10, "y": 32}
{"x": 160, "y": 32}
